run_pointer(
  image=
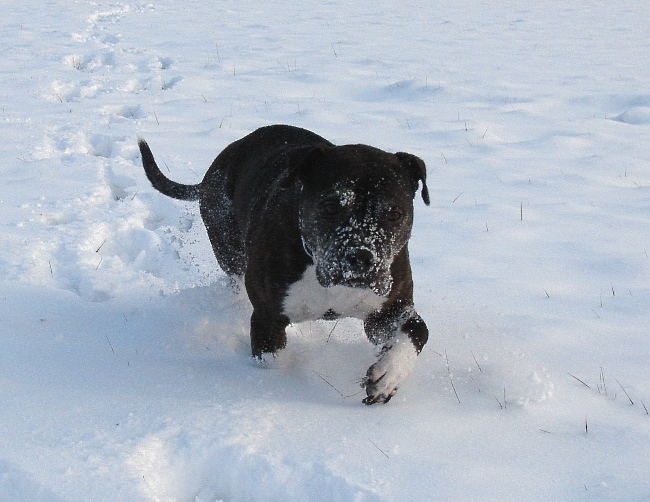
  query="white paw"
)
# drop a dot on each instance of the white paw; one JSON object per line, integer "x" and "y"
{"x": 395, "y": 364}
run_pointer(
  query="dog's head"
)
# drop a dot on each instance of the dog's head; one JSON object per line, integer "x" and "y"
{"x": 356, "y": 211}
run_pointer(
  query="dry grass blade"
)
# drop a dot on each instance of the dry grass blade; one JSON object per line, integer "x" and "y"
{"x": 450, "y": 377}
{"x": 331, "y": 331}
{"x": 477, "y": 364}
{"x": 325, "y": 380}
{"x": 375, "y": 445}
{"x": 628, "y": 396}
{"x": 572, "y": 376}
{"x": 338, "y": 391}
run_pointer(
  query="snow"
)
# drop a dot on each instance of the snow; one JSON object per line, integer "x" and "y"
{"x": 124, "y": 358}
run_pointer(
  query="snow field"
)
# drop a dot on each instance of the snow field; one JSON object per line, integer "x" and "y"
{"x": 124, "y": 369}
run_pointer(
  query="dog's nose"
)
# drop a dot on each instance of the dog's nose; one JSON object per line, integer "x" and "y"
{"x": 360, "y": 260}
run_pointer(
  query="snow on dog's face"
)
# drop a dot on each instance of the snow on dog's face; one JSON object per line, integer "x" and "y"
{"x": 356, "y": 214}
{"x": 353, "y": 237}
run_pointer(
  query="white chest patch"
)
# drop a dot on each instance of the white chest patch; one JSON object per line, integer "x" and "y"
{"x": 307, "y": 300}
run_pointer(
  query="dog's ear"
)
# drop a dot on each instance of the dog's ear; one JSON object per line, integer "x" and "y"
{"x": 418, "y": 170}
{"x": 297, "y": 159}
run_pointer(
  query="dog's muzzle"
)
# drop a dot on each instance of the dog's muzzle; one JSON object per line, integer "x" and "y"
{"x": 353, "y": 268}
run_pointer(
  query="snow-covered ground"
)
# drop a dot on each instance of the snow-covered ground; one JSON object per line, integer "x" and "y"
{"x": 124, "y": 364}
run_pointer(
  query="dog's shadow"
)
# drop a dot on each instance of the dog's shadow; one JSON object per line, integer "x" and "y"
{"x": 324, "y": 361}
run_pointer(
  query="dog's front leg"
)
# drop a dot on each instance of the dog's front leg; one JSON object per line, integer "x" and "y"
{"x": 268, "y": 333}
{"x": 403, "y": 334}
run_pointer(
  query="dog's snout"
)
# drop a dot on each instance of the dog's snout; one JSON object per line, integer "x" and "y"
{"x": 360, "y": 260}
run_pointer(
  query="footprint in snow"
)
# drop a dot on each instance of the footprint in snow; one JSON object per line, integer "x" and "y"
{"x": 130, "y": 112}
{"x": 169, "y": 84}
{"x": 165, "y": 63}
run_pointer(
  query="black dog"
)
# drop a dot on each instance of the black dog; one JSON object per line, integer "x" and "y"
{"x": 317, "y": 231}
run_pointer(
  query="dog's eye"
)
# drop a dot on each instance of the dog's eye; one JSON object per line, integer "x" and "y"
{"x": 331, "y": 208}
{"x": 394, "y": 215}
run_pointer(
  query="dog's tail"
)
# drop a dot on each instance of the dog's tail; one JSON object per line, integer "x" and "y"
{"x": 160, "y": 182}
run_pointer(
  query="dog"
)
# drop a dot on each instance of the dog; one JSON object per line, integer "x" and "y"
{"x": 316, "y": 231}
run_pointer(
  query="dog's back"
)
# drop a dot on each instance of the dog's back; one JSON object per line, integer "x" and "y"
{"x": 249, "y": 168}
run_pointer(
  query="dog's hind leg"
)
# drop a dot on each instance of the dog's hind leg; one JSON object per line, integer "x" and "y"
{"x": 226, "y": 242}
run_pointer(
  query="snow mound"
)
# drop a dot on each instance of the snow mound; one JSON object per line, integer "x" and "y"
{"x": 638, "y": 115}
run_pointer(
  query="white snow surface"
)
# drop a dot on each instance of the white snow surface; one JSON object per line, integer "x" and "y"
{"x": 124, "y": 356}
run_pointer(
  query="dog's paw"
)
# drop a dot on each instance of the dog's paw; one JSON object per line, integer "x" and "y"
{"x": 396, "y": 361}
{"x": 266, "y": 360}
